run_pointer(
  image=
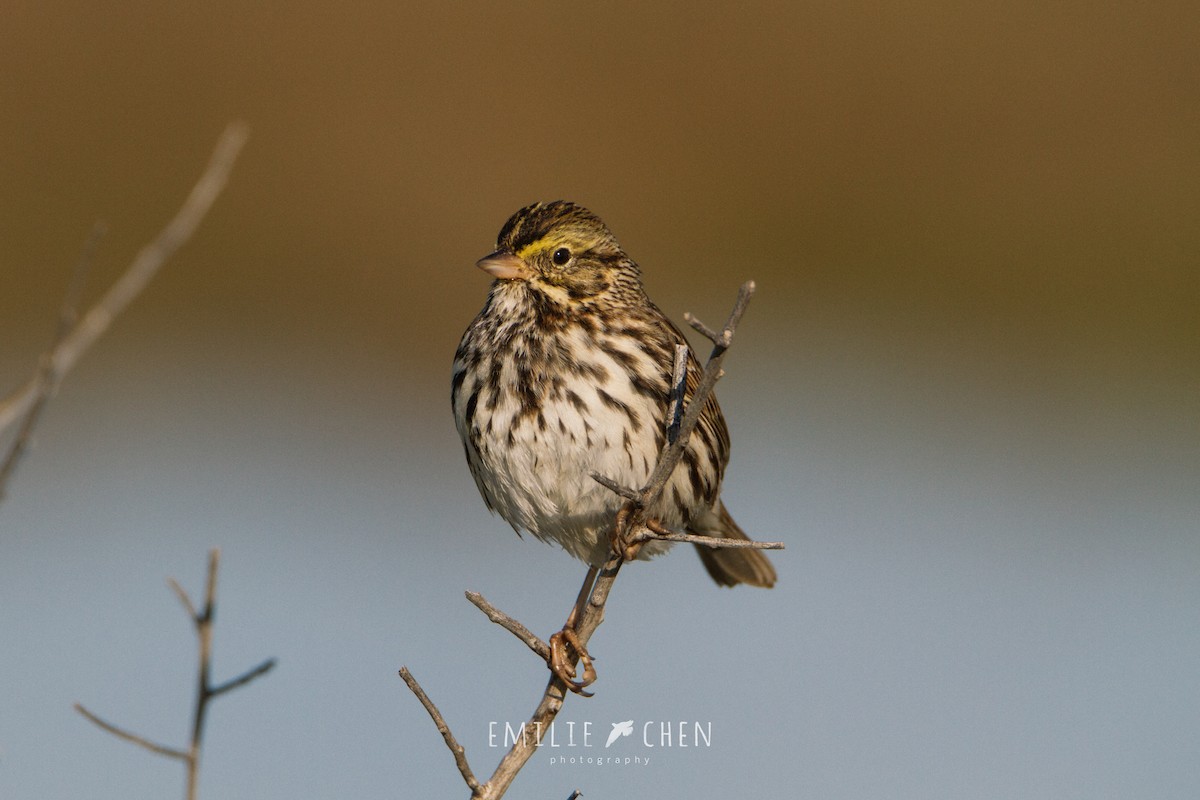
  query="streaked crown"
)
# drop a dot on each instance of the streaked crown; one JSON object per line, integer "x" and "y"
{"x": 563, "y": 251}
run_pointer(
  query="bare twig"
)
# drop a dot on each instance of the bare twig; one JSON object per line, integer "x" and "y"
{"x": 140, "y": 741}
{"x": 460, "y": 755}
{"x": 205, "y": 691}
{"x": 609, "y": 483}
{"x": 511, "y": 625}
{"x": 630, "y": 518}
{"x": 184, "y": 600}
{"x": 243, "y": 679}
{"x": 699, "y": 326}
{"x": 658, "y": 533}
{"x": 203, "y": 622}
{"x": 77, "y": 336}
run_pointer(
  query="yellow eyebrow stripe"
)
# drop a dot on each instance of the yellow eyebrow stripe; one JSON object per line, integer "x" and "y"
{"x": 531, "y": 248}
{"x": 555, "y": 239}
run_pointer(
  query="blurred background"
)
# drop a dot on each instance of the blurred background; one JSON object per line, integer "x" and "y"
{"x": 967, "y": 394}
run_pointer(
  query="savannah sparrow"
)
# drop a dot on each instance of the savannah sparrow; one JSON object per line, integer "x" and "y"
{"x": 565, "y": 372}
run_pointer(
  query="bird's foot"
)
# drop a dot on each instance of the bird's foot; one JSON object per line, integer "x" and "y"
{"x": 564, "y": 668}
{"x": 622, "y": 542}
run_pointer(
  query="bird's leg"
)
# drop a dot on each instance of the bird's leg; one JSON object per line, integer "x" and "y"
{"x": 560, "y": 662}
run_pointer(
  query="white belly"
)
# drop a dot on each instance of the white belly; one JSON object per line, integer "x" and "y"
{"x": 541, "y": 481}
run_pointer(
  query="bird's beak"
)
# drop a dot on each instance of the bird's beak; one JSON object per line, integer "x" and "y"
{"x": 504, "y": 265}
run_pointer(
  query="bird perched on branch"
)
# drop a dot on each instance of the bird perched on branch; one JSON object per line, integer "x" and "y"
{"x": 566, "y": 372}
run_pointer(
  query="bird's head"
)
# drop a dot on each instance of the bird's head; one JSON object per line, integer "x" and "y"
{"x": 562, "y": 251}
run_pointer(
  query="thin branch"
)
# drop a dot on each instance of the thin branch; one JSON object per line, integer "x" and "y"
{"x": 242, "y": 679}
{"x": 460, "y": 755}
{"x": 204, "y": 693}
{"x": 699, "y": 326}
{"x": 610, "y": 484}
{"x": 84, "y": 333}
{"x": 210, "y": 586}
{"x": 555, "y": 693}
{"x": 525, "y": 746}
{"x": 648, "y": 534}
{"x": 725, "y": 337}
{"x": 182, "y": 594}
{"x": 162, "y": 750}
{"x": 497, "y": 616}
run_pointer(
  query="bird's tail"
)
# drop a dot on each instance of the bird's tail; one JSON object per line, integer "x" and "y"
{"x": 729, "y": 566}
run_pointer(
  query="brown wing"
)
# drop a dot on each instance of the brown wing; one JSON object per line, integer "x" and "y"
{"x": 733, "y": 566}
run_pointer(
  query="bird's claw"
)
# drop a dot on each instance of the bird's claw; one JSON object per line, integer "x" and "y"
{"x": 622, "y": 536}
{"x": 561, "y": 665}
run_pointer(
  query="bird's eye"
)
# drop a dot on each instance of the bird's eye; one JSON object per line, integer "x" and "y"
{"x": 561, "y": 256}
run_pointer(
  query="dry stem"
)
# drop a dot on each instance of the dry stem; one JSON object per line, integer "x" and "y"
{"x": 511, "y": 625}
{"x": 460, "y": 755}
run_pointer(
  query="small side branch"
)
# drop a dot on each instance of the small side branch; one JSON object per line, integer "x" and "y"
{"x": 497, "y": 616}
{"x": 654, "y": 531}
{"x": 460, "y": 755}
{"x": 701, "y": 328}
{"x": 243, "y": 679}
{"x": 140, "y": 741}
{"x": 611, "y": 485}
{"x": 184, "y": 600}
{"x": 725, "y": 337}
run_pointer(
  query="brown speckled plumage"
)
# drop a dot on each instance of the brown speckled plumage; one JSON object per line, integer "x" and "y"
{"x": 564, "y": 372}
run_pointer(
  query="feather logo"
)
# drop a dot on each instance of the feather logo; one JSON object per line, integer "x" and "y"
{"x": 620, "y": 729}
